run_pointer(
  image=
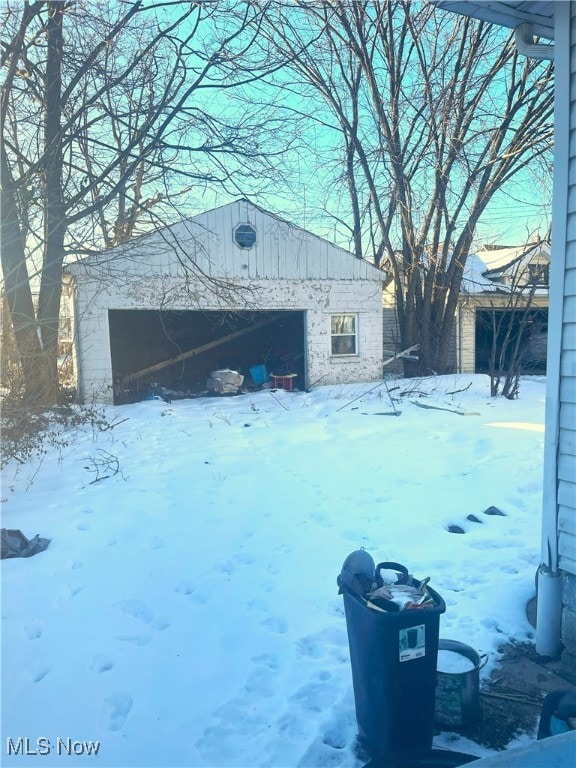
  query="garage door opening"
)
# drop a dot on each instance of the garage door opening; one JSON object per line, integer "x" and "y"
{"x": 176, "y": 351}
{"x": 497, "y": 331}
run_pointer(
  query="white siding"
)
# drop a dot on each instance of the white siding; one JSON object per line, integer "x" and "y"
{"x": 466, "y": 339}
{"x": 206, "y": 242}
{"x": 567, "y": 415}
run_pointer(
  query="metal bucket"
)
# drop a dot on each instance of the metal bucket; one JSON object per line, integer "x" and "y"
{"x": 458, "y": 693}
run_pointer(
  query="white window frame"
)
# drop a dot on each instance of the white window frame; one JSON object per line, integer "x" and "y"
{"x": 242, "y": 225}
{"x": 354, "y": 335}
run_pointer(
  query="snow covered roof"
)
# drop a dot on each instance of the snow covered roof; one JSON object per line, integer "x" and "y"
{"x": 484, "y": 268}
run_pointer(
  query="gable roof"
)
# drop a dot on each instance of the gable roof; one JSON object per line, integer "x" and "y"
{"x": 483, "y": 268}
{"x": 282, "y": 250}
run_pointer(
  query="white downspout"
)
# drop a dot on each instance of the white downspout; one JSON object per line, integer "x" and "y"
{"x": 525, "y": 44}
{"x": 549, "y": 609}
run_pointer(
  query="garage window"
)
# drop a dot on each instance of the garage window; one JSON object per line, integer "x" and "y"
{"x": 245, "y": 236}
{"x": 343, "y": 335}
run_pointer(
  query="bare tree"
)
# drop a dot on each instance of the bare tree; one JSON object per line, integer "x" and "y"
{"x": 107, "y": 123}
{"x": 435, "y": 114}
{"x": 514, "y": 322}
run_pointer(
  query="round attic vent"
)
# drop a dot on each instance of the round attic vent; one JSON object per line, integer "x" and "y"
{"x": 245, "y": 236}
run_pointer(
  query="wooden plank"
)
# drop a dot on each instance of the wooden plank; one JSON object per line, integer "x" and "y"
{"x": 566, "y": 520}
{"x": 568, "y": 415}
{"x": 567, "y": 564}
{"x": 570, "y": 281}
{"x": 198, "y": 350}
{"x": 566, "y": 494}
{"x": 569, "y": 336}
{"x": 405, "y": 353}
{"x": 567, "y": 391}
{"x": 567, "y": 546}
{"x": 567, "y": 467}
{"x": 567, "y": 441}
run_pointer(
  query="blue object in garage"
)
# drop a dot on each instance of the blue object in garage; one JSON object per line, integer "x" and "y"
{"x": 259, "y": 374}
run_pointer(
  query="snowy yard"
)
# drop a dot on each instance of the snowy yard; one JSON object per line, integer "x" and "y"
{"x": 186, "y": 611}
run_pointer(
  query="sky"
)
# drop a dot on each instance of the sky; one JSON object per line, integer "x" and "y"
{"x": 315, "y": 194}
{"x": 186, "y": 612}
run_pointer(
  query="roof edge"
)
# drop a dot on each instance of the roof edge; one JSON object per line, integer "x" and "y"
{"x": 505, "y": 14}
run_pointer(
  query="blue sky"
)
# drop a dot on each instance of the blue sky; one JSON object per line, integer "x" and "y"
{"x": 306, "y": 189}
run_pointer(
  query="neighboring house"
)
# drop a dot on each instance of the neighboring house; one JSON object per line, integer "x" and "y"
{"x": 504, "y": 295}
{"x": 555, "y": 24}
{"x": 504, "y": 291}
{"x": 236, "y": 287}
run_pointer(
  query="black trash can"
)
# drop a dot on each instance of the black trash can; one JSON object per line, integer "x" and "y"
{"x": 393, "y": 655}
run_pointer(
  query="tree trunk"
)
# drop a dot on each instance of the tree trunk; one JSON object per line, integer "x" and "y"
{"x": 55, "y": 214}
{"x": 17, "y": 287}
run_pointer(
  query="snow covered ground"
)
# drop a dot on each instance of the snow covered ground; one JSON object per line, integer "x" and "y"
{"x": 186, "y": 611}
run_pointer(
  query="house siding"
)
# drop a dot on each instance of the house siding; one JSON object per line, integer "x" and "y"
{"x": 465, "y": 341}
{"x": 567, "y": 395}
{"x": 561, "y": 395}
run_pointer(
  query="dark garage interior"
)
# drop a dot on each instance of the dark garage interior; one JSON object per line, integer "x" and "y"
{"x": 495, "y": 326}
{"x": 172, "y": 353}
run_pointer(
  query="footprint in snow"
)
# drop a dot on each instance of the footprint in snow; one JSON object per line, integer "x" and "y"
{"x": 134, "y": 639}
{"x": 33, "y": 630}
{"x": 82, "y": 526}
{"x": 316, "y": 696}
{"x": 267, "y": 660}
{"x": 261, "y": 682}
{"x": 276, "y": 624}
{"x": 140, "y": 611}
{"x": 185, "y": 588}
{"x": 335, "y": 740}
{"x": 312, "y": 717}
{"x": 136, "y": 608}
{"x": 71, "y": 591}
{"x": 197, "y": 593}
{"x": 102, "y": 662}
{"x": 230, "y": 567}
{"x": 326, "y": 641}
{"x": 116, "y": 709}
{"x": 219, "y": 744}
{"x": 258, "y": 604}
{"x": 322, "y": 519}
{"x": 40, "y": 671}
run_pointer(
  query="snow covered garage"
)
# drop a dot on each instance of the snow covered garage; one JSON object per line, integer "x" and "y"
{"x": 235, "y": 287}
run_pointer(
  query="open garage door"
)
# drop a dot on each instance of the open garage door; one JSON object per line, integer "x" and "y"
{"x": 495, "y": 326}
{"x": 176, "y": 351}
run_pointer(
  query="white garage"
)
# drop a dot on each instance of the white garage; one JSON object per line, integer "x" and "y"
{"x": 235, "y": 287}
